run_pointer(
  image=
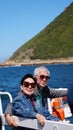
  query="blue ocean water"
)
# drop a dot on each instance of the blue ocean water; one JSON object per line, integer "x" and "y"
{"x": 61, "y": 77}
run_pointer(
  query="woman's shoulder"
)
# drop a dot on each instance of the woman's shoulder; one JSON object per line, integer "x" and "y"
{"x": 20, "y": 96}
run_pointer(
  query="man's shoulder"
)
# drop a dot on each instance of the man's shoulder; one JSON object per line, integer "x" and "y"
{"x": 46, "y": 89}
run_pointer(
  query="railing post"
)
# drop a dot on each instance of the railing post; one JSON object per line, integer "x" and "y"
{"x": 1, "y": 108}
{"x": 1, "y": 112}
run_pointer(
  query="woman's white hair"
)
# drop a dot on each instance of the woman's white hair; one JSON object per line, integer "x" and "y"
{"x": 37, "y": 70}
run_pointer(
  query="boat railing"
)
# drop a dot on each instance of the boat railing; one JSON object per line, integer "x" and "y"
{"x": 33, "y": 123}
{"x": 1, "y": 107}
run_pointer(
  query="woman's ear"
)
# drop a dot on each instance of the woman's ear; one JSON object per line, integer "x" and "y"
{"x": 21, "y": 87}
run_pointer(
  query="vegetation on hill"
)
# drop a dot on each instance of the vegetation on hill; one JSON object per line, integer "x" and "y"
{"x": 54, "y": 41}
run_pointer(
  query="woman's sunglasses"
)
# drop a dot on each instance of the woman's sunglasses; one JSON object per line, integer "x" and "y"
{"x": 27, "y": 84}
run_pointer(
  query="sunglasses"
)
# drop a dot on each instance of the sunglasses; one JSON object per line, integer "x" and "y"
{"x": 27, "y": 84}
{"x": 44, "y": 77}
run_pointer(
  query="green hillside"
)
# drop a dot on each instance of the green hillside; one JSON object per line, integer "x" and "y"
{"x": 54, "y": 41}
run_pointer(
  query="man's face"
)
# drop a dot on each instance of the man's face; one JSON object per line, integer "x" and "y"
{"x": 42, "y": 78}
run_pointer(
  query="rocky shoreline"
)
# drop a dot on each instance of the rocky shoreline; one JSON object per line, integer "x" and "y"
{"x": 38, "y": 62}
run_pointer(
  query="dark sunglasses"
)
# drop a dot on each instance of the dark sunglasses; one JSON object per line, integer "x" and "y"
{"x": 26, "y": 84}
{"x": 44, "y": 77}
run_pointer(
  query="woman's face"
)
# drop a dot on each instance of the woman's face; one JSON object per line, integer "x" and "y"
{"x": 28, "y": 86}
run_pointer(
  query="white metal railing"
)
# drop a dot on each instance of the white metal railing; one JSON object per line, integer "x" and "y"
{"x": 1, "y": 108}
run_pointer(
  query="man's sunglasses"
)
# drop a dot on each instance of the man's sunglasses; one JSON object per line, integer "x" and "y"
{"x": 27, "y": 84}
{"x": 44, "y": 77}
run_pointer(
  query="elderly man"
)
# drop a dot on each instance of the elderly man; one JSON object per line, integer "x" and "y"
{"x": 42, "y": 75}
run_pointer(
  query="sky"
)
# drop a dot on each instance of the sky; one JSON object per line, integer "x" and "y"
{"x": 21, "y": 20}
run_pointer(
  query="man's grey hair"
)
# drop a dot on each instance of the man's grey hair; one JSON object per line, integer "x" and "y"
{"x": 36, "y": 71}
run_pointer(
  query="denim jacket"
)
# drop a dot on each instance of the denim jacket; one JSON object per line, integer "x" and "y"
{"x": 23, "y": 107}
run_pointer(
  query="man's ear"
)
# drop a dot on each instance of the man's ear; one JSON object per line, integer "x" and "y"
{"x": 35, "y": 79}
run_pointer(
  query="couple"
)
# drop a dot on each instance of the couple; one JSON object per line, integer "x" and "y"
{"x": 31, "y": 102}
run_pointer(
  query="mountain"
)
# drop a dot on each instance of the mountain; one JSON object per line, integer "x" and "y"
{"x": 54, "y": 41}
